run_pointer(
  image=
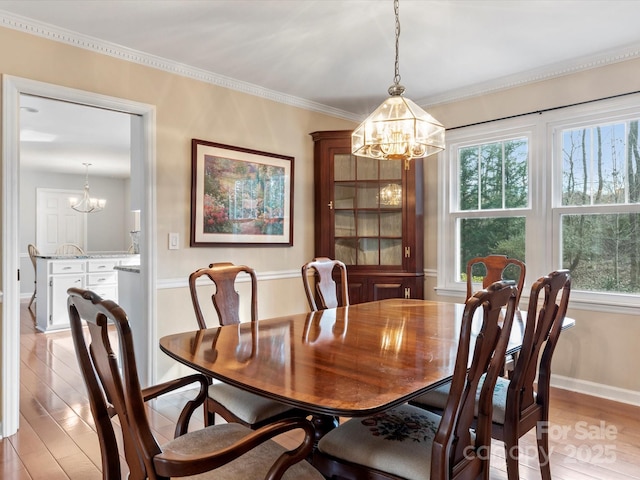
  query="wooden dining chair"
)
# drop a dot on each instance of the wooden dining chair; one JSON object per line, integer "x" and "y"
{"x": 407, "y": 442}
{"x": 494, "y": 268}
{"x": 231, "y": 403}
{"x": 326, "y": 290}
{"x": 69, "y": 249}
{"x": 518, "y": 406}
{"x": 229, "y": 451}
{"x": 33, "y": 252}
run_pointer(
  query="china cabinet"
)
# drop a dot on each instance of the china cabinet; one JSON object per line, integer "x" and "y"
{"x": 369, "y": 214}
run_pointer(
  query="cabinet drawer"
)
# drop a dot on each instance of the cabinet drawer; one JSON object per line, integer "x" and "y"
{"x": 106, "y": 278}
{"x": 107, "y": 292}
{"x": 67, "y": 267}
{"x": 101, "y": 265}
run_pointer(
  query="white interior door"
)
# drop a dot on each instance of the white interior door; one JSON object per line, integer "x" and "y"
{"x": 56, "y": 221}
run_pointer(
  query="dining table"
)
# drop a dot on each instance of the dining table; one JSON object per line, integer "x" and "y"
{"x": 348, "y": 361}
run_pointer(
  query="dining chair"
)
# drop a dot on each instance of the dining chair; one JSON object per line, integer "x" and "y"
{"x": 518, "y": 406}
{"x": 496, "y": 268}
{"x": 493, "y": 268}
{"x": 231, "y": 403}
{"x": 326, "y": 290}
{"x": 33, "y": 252}
{"x": 69, "y": 249}
{"x": 407, "y": 442}
{"x": 229, "y": 451}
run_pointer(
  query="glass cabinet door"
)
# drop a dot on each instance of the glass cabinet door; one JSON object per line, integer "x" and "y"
{"x": 368, "y": 199}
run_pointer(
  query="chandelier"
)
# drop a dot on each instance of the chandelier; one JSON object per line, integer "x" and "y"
{"x": 391, "y": 195}
{"x": 86, "y": 203}
{"x": 398, "y": 128}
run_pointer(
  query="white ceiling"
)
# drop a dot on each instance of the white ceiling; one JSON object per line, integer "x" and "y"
{"x": 60, "y": 136}
{"x": 338, "y": 55}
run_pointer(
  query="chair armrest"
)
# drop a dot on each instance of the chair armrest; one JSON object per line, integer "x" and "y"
{"x": 182, "y": 424}
{"x": 154, "y": 391}
{"x": 172, "y": 464}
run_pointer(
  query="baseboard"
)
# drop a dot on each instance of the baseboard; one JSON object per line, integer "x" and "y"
{"x": 617, "y": 394}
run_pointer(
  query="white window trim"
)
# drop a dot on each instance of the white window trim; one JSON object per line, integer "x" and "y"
{"x": 542, "y": 256}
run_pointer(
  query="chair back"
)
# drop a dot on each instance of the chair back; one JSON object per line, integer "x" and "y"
{"x": 69, "y": 249}
{"x": 226, "y": 299}
{"x": 456, "y": 453}
{"x": 110, "y": 392}
{"x": 497, "y": 268}
{"x": 326, "y": 288}
{"x": 541, "y": 334}
{"x": 33, "y": 252}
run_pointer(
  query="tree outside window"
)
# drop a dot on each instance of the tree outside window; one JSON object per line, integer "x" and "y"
{"x": 558, "y": 189}
{"x": 600, "y": 218}
{"x": 493, "y": 185}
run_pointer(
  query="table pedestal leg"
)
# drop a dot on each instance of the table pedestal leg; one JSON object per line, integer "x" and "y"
{"x": 323, "y": 425}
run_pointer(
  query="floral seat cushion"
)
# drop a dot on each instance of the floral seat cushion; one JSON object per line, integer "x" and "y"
{"x": 397, "y": 441}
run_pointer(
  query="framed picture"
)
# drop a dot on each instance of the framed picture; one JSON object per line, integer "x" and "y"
{"x": 240, "y": 197}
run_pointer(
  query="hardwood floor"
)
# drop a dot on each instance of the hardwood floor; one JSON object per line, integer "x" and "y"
{"x": 591, "y": 438}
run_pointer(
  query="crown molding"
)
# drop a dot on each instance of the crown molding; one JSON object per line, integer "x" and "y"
{"x": 548, "y": 72}
{"x": 51, "y": 32}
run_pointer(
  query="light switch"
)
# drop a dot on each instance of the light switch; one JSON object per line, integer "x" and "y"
{"x": 174, "y": 241}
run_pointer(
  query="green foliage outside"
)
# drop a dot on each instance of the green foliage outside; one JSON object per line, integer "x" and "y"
{"x": 493, "y": 177}
{"x": 601, "y": 169}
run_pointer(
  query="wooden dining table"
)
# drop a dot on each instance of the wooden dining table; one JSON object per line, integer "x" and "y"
{"x": 347, "y": 361}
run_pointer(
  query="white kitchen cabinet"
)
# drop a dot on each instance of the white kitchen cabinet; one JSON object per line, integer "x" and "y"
{"x": 59, "y": 284}
{"x": 102, "y": 278}
{"x": 56, "y": 274}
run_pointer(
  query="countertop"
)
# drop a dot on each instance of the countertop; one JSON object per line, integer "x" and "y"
{"x": 89, "y": 255}
{"x": 128, "y": 268}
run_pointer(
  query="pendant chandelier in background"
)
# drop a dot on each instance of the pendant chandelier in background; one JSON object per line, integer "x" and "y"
{"x": 398, "y": 128}
{"x": 390, "y": 195}
{"x": 87, "y": 204}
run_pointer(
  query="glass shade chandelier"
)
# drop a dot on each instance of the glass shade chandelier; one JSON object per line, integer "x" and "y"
{"x": 391, "y": 195}
{"x": 398, "y": 129}
{"x": 87, "y": 204}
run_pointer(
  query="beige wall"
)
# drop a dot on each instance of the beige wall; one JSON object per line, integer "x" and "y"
{"x": 601, "y": 347}
{"x": 187, "y": 109}
{"x": 597, "y": 350}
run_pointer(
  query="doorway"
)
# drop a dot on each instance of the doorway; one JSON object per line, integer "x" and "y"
{"x": 142, "y": 185}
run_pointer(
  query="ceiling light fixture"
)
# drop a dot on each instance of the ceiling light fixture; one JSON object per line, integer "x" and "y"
{"x": 398, "y": 129}
{"x": 391, "y": 195}
{"x": 86, "y": 203}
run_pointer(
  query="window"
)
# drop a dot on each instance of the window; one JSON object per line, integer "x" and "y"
{"x": 599, "y": 218}
{"x": 559, "y": 189}
{"x": 493, "y": 180}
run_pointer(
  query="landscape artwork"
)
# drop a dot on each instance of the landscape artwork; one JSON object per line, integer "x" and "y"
{"x": 240, "y": 196}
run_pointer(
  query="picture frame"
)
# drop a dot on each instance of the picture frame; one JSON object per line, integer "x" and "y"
{"x": 240, "y": 197}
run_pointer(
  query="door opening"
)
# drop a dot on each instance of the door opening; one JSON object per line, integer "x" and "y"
{"x": 142, "y": 186}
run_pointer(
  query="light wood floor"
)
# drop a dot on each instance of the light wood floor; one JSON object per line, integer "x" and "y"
{"x": 591, "y": 438}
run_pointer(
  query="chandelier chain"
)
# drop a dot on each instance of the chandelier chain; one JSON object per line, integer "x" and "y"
{"x": 396, "y": 9}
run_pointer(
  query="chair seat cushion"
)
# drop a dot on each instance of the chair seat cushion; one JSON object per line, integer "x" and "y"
{"x": 253, "y": 465}
{"x": 397, "y": 441}
{"x": 438, "y": 398}
{"x": 248, "y": 406}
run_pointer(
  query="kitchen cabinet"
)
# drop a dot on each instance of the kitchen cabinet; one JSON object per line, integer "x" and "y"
{"x": 368, "y": 213}
{"x": 57, "y": 273}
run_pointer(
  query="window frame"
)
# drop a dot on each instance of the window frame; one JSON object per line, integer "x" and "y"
{"x": 545, "y": 194}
